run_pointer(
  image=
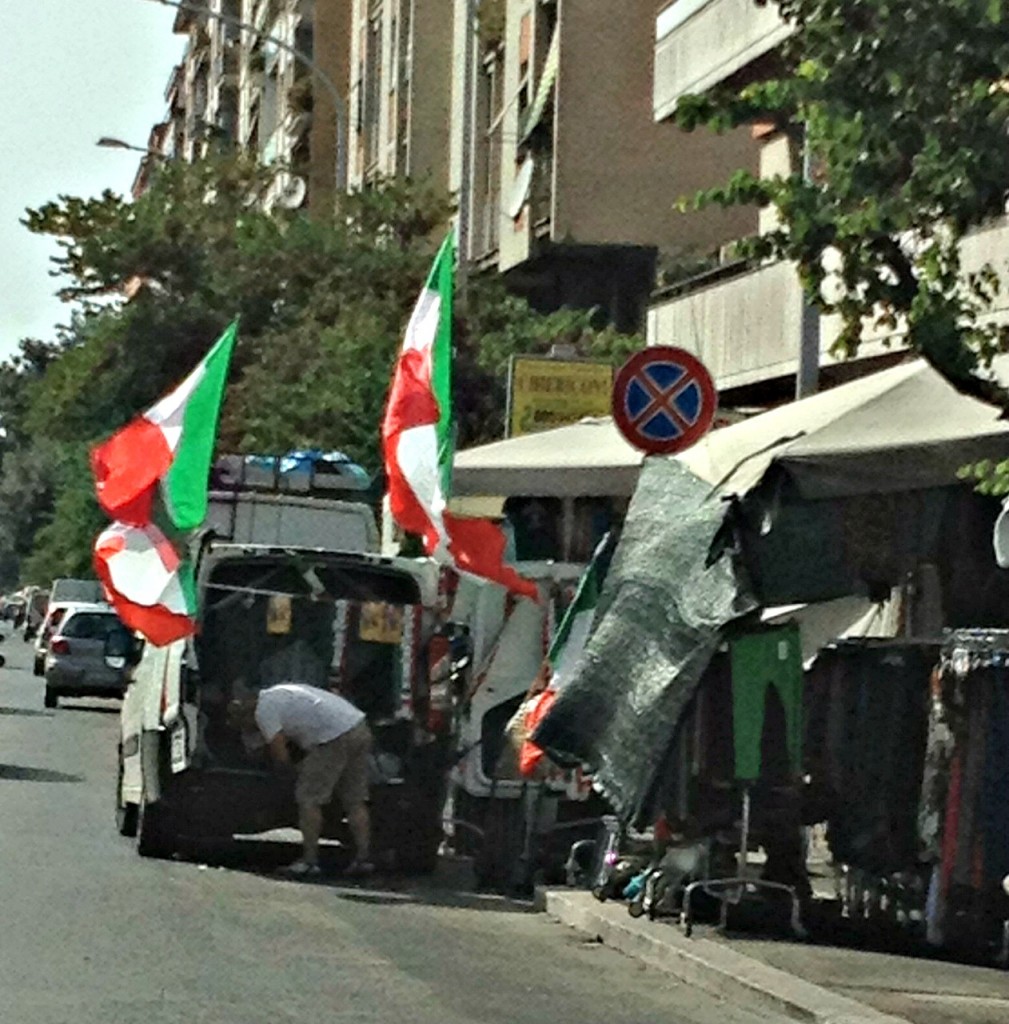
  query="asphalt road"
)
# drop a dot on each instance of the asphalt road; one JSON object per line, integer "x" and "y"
{"x": 93, "y": 933}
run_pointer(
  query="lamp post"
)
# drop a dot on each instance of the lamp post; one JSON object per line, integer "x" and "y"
{"x": 335, "y": 95}
{"x": 106, "y": 142}
{"x": 464, "y": 219}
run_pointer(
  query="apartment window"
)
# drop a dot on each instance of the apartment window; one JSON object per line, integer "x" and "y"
{"x": 231, "y": 9}
{"x": 304, "y": 36}
{"x": 491, "y": 100}
{"x": 227, "y": 114}
{"x": 392, "y": 113}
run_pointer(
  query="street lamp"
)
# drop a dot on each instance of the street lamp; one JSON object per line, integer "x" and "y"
{"x": 299, "y": 55}
{"x": 110, "y": 143}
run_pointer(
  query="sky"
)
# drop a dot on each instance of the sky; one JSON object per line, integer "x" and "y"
{"x": 73, "y": 71}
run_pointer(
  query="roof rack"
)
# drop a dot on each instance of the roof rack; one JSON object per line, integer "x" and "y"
{"x": 309, "y": 473}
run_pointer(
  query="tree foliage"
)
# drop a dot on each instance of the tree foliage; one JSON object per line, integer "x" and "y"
{"x": 322, "y": 306}
{"x": 902, "y": 110}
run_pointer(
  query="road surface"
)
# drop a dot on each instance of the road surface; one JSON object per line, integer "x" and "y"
{"x": 93, "y": 933}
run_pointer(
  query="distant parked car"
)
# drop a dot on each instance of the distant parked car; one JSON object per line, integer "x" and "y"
{"x": 35, "y": 612}
{"x": 14, "y": 610}
{"x": 75, "y": 659}
{"x": 54, "y": 616}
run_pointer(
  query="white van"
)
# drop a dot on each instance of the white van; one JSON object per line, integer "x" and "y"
{"x": 268, "y": 614}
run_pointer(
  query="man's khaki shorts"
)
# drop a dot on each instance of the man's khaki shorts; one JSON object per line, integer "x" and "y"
{"x": 339, "y": 766}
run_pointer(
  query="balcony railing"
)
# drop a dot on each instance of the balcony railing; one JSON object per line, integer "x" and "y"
{"x": 747, "y": 328}
{"x": 699, "y": 43}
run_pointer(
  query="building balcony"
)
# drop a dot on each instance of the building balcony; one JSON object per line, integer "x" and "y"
{"x": 745, "y": 324}
{"x": 699, "y": 43}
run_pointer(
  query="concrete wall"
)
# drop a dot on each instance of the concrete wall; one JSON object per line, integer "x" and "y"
{"x": 615, "y": 175}
{"x": 331, "y": 43}
{"x": 618, "y": 173}
{"x": 430, "y": 92}
{"x": 699, "y": 43}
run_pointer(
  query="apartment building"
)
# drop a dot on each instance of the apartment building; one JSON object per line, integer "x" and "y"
{"x": 749, "y": 324}
{"x": 574, "y": 183}
{"x": 285, "y": 104}
{"x": 537, "y": 115}
{"x": 401, "y": 60}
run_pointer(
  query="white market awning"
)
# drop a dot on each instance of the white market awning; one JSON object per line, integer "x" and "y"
{"x": 586, "y": 459}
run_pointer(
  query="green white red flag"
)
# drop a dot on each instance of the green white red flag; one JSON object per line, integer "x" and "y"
{"x": 573, "y": 633}
{"x": 168, "y": 448}
{"x": 566, "y": 649}
{"x": 150, "y": 586}
{"x": 417, "y": 438}
{"x": 166, "y": 452}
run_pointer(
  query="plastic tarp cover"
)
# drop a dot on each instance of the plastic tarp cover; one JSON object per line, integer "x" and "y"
{"x": 670, "y": 592}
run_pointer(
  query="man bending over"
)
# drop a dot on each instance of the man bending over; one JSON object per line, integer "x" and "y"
{"x": 336, "y": 741}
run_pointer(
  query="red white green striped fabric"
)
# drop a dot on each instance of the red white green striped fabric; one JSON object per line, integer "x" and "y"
{"x": 148, "y": 584}
{"x": 170, "y": 445}
{"x": 417, "y": 442}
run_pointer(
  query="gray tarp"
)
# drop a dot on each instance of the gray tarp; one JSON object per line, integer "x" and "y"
{"x": 662, "y": 612}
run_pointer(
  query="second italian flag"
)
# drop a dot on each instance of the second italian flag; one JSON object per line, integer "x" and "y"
{"x": 417, "y": 439}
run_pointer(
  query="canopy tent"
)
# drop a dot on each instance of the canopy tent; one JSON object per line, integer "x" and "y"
{"x": 678, "y": 583}
{"x": 901, "y": 429}
{"x": 587, "y": 459}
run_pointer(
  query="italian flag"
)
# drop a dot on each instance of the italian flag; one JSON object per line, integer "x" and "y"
{"x": 565, "y": 650}
{"x": 148, "y": 584}
{"x": 417, "y": 440}
{"x": 169, "y": 447}
{"x": 576, "y": 626}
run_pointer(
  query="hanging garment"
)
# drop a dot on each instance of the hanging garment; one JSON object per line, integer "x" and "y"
{"x": 939, "y": 748}
{"x": 979, "y": 690}
{"x": 769, "y": 660}
{"x": 951, "y": 826}
{"x": 877, "y": 730}
{"x": 993, "y": 817}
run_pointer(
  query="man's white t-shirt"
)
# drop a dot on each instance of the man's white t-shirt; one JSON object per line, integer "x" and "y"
{"x": 305, "y": 714}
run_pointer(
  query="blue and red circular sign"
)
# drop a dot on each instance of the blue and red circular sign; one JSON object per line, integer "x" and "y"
{"x": 664, "y": 400}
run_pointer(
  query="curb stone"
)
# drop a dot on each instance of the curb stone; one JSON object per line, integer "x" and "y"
{"x": 718, "y": 969}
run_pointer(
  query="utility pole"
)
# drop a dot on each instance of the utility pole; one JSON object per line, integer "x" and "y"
{"x": 336, "y": 97}
{"x": 465, "y": 217}
{"x": 807, "y": 376}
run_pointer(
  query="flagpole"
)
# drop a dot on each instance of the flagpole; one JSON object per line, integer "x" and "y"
{"x": 339, "y": 105}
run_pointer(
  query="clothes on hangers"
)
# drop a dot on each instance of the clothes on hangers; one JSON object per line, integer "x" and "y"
{"x": 767, "y": 680}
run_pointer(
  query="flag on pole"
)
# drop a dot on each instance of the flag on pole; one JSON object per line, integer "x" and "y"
{"x": 417, "y": 439}
{"x": 573, "y": 633}
{"x": 168, "y": 449}
{"x": 170, "y": 445}
{"x": 148, "y": 584}
{"x": 566, "y": 649}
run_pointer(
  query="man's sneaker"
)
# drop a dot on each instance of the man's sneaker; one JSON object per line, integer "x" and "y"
{"x": 301, "y": 869}
{"x": 359, "y": 869}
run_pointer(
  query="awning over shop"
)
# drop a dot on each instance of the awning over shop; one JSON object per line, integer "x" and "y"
{"x": 901, "y": 429}
{"x": 587, "y": 459}
{"x": 675, "y": 588}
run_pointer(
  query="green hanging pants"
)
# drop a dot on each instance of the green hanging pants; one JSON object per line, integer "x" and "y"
{"x": 760, "y": 661}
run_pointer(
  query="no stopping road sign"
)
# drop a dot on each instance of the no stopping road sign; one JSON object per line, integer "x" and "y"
{"x": 664, "y": 400}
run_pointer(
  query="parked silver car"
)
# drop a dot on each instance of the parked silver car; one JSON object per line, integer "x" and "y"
{"x": 75, "y": 657}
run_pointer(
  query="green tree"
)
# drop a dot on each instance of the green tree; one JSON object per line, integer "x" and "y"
{"x": 322, "y": 304}
{"x": 903, "y": 110}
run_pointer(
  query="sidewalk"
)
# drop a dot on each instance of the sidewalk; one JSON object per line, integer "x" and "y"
{"x": 821, "y": 984}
